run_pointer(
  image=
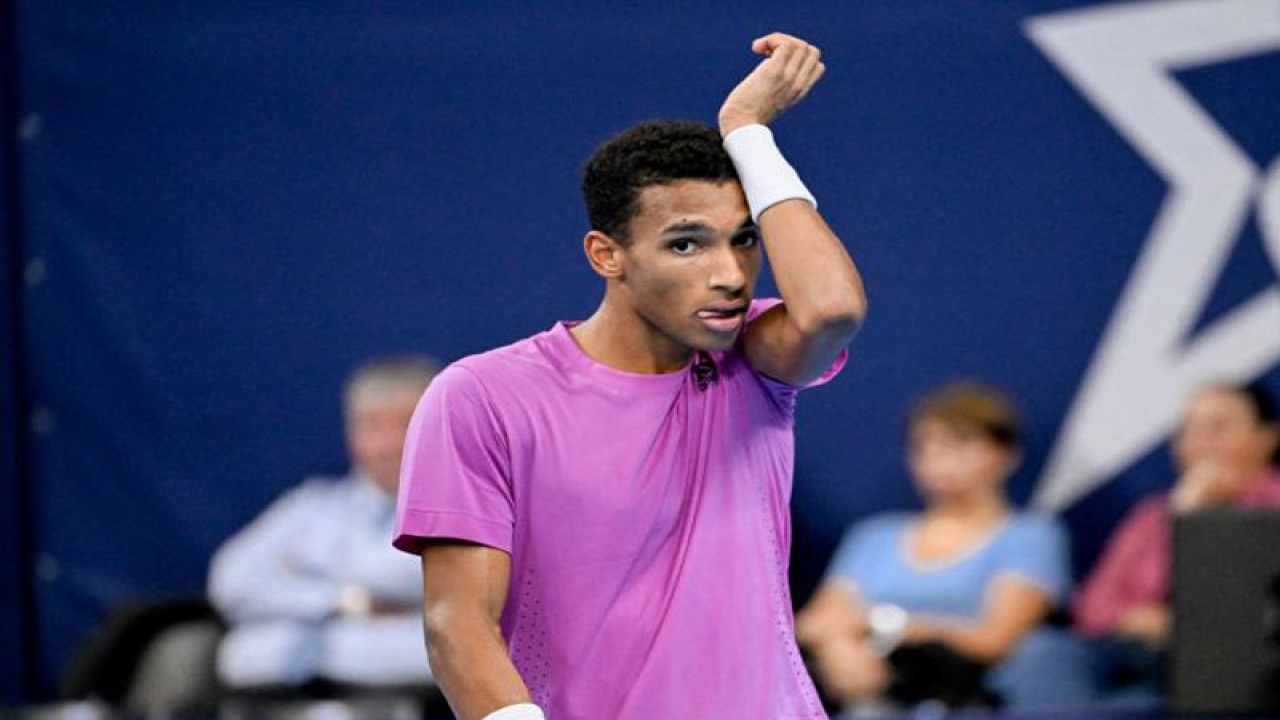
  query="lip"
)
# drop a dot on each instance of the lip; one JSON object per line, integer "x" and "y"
{"x": 727, "y": 318}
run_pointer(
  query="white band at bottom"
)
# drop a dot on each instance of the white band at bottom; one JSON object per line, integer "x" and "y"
{"x": 519, "y": 711}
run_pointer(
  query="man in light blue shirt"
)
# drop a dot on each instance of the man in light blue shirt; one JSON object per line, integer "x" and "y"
{"x": 312, "y": 589}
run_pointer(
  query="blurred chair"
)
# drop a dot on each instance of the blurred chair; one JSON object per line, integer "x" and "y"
{"x": 154, "y": 658}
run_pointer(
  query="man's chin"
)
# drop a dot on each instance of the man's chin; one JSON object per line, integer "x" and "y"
{"x": 717, "y": 342}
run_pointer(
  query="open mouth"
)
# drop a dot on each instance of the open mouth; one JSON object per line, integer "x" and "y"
{"x": 726, "y": 319}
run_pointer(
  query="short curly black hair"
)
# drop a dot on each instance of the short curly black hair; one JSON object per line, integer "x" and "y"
{"x": 656, "y": 152}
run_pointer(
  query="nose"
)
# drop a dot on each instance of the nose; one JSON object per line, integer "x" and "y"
{"x": 727, "y": 273}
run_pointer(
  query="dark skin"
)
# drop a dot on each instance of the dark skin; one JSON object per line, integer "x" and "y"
{"x": 680, "y": 282}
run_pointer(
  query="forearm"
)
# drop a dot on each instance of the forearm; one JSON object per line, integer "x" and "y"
{"x": 472, "y": 666}
{"x": 465, "y": 591}
{"x": 980, "y": 643}
{"x": 244, "y": 589}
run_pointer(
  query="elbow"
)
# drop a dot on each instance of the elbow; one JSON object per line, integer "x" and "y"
{"x": 437, "y": 624}
{"x": 838, "y": 317}
{"x": 839, "y": 310}
{"x": 226, "y": 596}
{"x": 446, "y": 627}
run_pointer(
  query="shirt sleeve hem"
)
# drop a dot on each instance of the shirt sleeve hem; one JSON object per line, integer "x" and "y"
{"x": 1052, "y": 590}
{"x": 418, "y": 527}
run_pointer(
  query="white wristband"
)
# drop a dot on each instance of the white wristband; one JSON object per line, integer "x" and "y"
{"x": 519, "y": 711}
{"x": 767, "y": 178}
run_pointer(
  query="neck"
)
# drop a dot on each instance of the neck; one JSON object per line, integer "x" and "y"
{"x": 976, "y": 509}
{"x": 623, "y": 340}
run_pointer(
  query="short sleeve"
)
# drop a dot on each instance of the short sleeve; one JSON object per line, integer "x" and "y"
{"x": 1035, "y": 549}
{"x": 455, "y": 478}
{"x": 862, "y": 544}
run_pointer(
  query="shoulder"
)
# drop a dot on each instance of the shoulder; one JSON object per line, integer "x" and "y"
{"x": 1034, "y": 530}
{"x": 869, "y": 544}
{"x": 532, "y": 358}
{"x": 483, "y": 373}
{"x": 308, "y": 497}
{"x": 760, "y": 306}
{"x": 881, "y": 526}
{"x": 1035, "y": 524}
{"x": 1151, "y": 510}
{"x": 530, "y": 353}
{"x": 317, "y": 488}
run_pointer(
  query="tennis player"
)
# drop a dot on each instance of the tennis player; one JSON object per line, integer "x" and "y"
{"x": 601, "y": 508}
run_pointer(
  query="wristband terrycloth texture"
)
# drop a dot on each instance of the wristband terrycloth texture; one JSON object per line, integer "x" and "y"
{"x": 519, "y": 711}
{"x": 767, "y": 178}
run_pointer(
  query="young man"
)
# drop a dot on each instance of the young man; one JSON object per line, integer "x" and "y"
{"x": 601, "y": 509}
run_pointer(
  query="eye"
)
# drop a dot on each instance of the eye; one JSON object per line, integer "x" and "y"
{"x": 683, "y": 246}
{"x": 747, "y": 238}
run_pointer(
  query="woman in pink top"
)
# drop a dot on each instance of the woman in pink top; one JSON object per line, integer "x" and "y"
{"x": 1227, "y": 451}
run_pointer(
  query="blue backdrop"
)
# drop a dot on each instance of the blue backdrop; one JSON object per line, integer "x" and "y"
{"x": 218, "y": 209}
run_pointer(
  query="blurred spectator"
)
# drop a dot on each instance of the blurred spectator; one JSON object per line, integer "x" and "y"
{"x": 312, "y": 590}
{"x": 1226, "y": 453}
{"x": 948, "y": 604}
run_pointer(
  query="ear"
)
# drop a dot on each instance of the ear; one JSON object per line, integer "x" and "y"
{"x": 604, "y": 253}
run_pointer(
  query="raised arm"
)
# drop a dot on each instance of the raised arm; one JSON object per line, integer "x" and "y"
{"x": 823, "y": 298}
{"x": 464, "y": 591}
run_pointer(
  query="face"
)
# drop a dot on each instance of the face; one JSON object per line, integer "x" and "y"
{"x": 692, "y": 263}
{"x": 377, "y": 421}
{"x": 1220, "y": 427}
{"x": 948, "y": 462}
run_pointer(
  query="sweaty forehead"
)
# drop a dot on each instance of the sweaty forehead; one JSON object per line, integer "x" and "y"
{"x": 719, "y": 204}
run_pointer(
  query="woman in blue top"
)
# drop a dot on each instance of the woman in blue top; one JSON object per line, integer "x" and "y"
{"x": 969, "y": 572}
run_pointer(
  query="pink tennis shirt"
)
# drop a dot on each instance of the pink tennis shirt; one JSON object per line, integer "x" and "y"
{"x": 646, "y": 519}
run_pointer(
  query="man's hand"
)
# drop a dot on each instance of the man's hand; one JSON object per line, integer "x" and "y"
{"x": 790, "y": 69}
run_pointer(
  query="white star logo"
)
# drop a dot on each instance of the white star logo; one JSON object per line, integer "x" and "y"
{"x": 1121, "y": 57}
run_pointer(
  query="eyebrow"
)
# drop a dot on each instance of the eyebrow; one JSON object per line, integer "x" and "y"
{"x": 703, "y": 227}
{"x": 687, "y": 227}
